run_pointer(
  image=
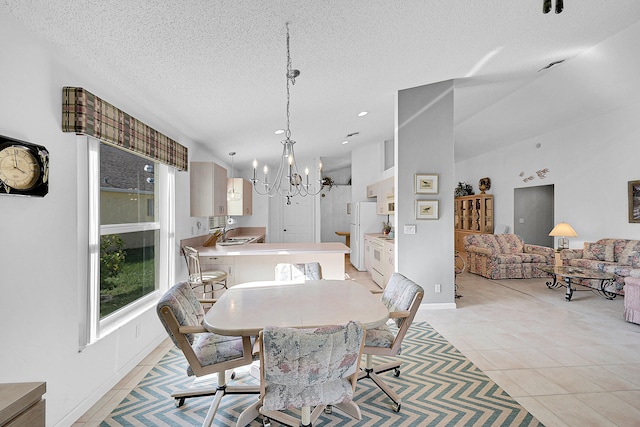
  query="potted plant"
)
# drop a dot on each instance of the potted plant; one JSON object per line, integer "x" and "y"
{"x": 463, "y": 189}
{"x": 386, "y": 227}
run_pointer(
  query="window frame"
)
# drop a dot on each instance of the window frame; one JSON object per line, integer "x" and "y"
{"x": 94, "y": 328}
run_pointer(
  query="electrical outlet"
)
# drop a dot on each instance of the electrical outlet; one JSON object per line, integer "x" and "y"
{"x": 437, "y": 287}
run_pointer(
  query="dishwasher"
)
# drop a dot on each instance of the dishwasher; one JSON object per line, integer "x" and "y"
{"x": 377, "y": 262}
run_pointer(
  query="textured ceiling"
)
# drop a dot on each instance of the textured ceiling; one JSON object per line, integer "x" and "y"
{"x": 216, "y": 68}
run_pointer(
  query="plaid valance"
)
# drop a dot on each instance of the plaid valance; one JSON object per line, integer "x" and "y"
{"x": 85, "y": 113}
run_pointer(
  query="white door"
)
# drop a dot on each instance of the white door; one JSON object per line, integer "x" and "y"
{"x": 297, "y": 220}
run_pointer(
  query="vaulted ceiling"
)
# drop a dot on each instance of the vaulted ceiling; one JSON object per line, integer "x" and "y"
{"x": 216, "y": 68}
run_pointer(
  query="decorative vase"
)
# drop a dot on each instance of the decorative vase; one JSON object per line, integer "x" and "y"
{"x": 484, "y": 184}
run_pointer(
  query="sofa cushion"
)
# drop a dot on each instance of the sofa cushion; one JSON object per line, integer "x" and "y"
{"x": 508, "y": 259}
{"x": 619, "y": 246}
{"x": 592, "y": 264}
{"x": 509, "y": 243}
{"x": 598, "y": 251}
{"x": 630, "y": 254}
{"x": 520, "y": 258}
{"x": 488, "y": 241}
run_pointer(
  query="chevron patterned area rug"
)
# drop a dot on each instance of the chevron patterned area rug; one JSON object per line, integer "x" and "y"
{"x": 439, "y": 386}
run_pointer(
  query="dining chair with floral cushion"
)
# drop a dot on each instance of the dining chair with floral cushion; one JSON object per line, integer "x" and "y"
{"x": 309, "y": 370}
{"x": 182, "y": 314}
{"x": 402, "y": 297}
{"x": 298, "y": 272}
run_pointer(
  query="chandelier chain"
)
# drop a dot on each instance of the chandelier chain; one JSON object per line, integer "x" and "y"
{"x": 291, "y": 78}
{"x": 288, "y": 181}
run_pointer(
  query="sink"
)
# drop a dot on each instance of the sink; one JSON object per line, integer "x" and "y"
{"x": 231, "y": 243}
{"x": 240, "y": 239}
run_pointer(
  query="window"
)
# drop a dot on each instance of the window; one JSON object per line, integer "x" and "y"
{"x": 129, "y": 239}
{"x": 217, "y": 222}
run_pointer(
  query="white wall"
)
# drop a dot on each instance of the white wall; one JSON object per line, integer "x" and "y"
{"x": 591, "y": 158}
{"x": 590, "y": 164}
{"x": 43, "y": 246}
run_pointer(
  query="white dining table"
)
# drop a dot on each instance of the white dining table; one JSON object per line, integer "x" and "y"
{"x": 245, "y": 309}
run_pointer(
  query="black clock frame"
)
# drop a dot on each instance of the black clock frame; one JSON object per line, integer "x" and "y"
{"x": 41, "y": 188}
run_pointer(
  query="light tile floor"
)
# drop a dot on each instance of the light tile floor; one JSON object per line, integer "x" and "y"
{"x": 569, "y": 364}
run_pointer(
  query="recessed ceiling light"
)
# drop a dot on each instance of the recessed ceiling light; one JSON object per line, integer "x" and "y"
{"x": 345, "y": 142}
{"x": 363, "y": 113}
{"x": 279, "y": 132}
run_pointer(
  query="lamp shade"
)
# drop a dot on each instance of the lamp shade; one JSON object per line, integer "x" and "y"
{"x": 563, "y": 229}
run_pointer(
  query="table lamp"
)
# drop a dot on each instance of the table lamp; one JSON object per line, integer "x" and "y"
{"x": 562, "y": 230}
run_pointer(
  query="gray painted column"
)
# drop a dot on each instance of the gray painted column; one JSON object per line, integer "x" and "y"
{"x": 424, "y": 144}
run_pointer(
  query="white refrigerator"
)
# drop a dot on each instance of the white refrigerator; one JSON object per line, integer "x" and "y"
{"x": 364, "y": 219}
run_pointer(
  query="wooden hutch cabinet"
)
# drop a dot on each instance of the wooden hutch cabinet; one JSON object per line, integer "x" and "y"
{"x": 472, "y": 215}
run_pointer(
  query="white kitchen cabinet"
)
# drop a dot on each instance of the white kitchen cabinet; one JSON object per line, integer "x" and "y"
{"x": 372, "y": 190}
{"x": 208, "y": 184}
{"x": 389, "y": 261}
{"x": 383, "y": 191}
{"x": 385, "y": 202}
{"x": 244, "y": 206}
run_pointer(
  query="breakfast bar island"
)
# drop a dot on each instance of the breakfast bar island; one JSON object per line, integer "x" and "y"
{"x": 250, "y": 262}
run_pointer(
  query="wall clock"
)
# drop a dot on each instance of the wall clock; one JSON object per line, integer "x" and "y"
{"x": 24, "y": 168}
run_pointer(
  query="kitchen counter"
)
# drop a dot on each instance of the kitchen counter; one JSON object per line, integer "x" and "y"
{"x": 252, "y": 262}
{"x": 265, "y": 249}
{"x": 257, "y": 233}
{"x": 381, "y": 236}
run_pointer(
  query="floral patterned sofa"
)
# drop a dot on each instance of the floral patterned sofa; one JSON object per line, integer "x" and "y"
{"x": 618, "y": 256}
{"x": 505, "y": 256}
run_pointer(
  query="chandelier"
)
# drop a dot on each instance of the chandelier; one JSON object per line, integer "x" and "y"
{"x": 288, "y": 181}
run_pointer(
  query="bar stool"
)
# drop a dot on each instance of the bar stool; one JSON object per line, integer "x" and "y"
{"x": 214, "y": 279}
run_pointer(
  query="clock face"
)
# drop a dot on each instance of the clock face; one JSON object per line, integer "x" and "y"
{"x": 24, "y": 168}
{"x": 19, "y": 168}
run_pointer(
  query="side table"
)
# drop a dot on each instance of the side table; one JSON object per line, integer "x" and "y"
{"x": 21, "y": 404}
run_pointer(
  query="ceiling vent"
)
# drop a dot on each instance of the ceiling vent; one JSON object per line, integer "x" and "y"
{"x": 551, "y": 65}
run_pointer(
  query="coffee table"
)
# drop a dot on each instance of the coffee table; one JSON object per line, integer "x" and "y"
{"x": 568, "y": 273}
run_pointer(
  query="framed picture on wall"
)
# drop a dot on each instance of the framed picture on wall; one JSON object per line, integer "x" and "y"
{"x": 426, "y": 209}
{"x": 426, "y": 183}
{"x": 634, "y": 201}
